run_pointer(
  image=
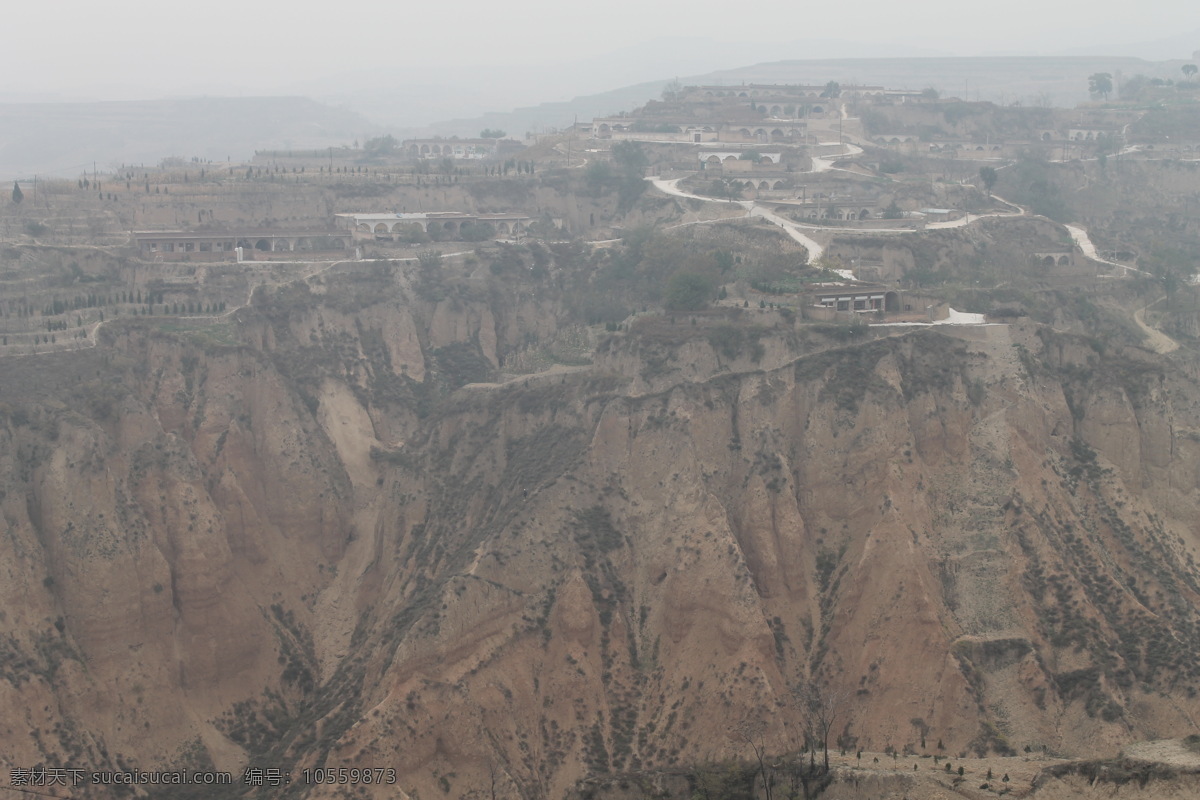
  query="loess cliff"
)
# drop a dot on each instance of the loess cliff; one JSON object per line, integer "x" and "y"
{"x": 322, "y": 533}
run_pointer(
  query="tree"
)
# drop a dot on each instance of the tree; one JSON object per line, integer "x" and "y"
{"x": 1189, "y": 70}
{"x": 1107, "y": 143}
{"x": 988, "y": 176}
{"x": 492, "y": 133}
{"x": 380, "y": 146}
{"x": 597, "y": 175}
{"x": 821, "y": 708}
{"x": 687, "y": 291}
{"x": 751, "y": 730}
{"x": 728, "y": 188}
{"x": 1137, "y": 88}
{"x": 17, "y": 194}
{"x": 1170, "y": 276}
{"x": 1100, "y": 83}
{"x": 429, "y": 259}
{"x": 632, "y": 162}
{"x": 672, "y": 92}
{"x": 832, "y": 89}
{"x": 630, "y": 157}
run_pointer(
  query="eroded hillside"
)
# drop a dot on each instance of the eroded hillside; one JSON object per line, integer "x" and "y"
{"x": 317, "y": 533}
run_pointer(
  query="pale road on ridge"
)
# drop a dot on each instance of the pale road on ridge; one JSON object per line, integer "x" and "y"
{"x": 815, "y": 249}
{"x": 752, "y": 210}
{"x": 755, "y": 209}
{"x": 1159, "y": 342}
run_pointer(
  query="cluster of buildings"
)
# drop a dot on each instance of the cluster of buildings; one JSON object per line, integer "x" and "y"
{"x": 746, "y": 114}
{"x": 395, "y": 225}
{"x": 225, "y": 245}
{"x": 681, "y": 129}
{"x": 348, "y": 230}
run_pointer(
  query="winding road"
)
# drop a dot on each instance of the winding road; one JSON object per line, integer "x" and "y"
{"x": 820, "y": 164}
{"x": 815, "y": 249}
{"x": 1085, "y": 244}
{"x": 1158, "y": 341}
{"x": 753, "y": 209}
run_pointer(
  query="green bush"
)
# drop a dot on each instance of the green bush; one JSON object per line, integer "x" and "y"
{"x": 687, "y": 291}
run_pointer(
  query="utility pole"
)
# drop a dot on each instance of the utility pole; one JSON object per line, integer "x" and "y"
{"x": 569, "y": 138}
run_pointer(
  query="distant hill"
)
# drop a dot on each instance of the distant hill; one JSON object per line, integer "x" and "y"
{"x": 547, "y": 116}
{"x": 464, "y": 90}
{"x": 1029, "y": 80}
{"x": 1057, "y": 80}
{"x": 63, "y": 139}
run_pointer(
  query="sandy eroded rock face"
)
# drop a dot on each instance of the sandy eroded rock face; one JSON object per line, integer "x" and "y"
{"x": 920, "y": 523}
{"x": 984, "y": 540}
{"x": 149, "y": 540}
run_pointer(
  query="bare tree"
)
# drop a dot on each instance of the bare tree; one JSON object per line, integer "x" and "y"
{"x": 822, "y": 708}
{"x": 672, "y": 92}
{"x": 806, "y": 779}
{"x": 752, "y": 730}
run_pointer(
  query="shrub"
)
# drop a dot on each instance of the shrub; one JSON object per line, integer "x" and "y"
{"x": 687, "y": 291}
{"x": 727, "y": 340}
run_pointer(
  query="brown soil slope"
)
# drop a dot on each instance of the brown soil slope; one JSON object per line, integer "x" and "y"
{"x": 984, "y": 538}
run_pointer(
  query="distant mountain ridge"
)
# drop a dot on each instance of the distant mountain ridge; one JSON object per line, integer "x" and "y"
{"x": 66, "y": 138}
{"x": 62, "y": 139}
{"x": 1029, "y": 80}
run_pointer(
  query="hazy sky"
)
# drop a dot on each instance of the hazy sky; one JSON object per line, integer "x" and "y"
{"x": 143, "y": 48}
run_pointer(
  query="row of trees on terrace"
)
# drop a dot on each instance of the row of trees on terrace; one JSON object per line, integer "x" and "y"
{"x": 1100, "y": 84}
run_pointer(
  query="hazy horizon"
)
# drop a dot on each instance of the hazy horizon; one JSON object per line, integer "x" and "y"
{"x": 407, "y": 70}
{"x": 135, "y": 49}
